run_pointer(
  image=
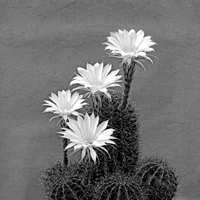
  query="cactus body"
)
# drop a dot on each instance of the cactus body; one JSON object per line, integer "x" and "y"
{"x": 119, "y": 187}
{"x": 125, "y": 123}
{"x": 67, "y": 183}
{"x": 69, "y": 190}
{"x": 160, "y": 179}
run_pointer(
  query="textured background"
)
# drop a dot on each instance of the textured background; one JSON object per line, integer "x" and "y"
{"x": 41, "y": 44}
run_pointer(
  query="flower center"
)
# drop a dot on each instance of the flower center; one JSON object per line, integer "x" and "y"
{"x": 95, "y": 88}
{"x": 66, "y": 111}
{"x": 88, "y": 143}
{"x": 129, "y": 50}
{"x": 126, "y": 49}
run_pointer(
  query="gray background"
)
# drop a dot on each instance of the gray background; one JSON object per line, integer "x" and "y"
{"x": 41, "y": 44}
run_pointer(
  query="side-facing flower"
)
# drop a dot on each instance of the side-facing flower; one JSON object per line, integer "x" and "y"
{"x": 65, "y": 104}
{"x": 97, "y": 78}
{"x": 130, "y": 46}
{"x": 86, "y": 134}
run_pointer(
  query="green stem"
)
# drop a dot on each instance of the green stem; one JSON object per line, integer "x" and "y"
{"x": 65, "y": 142}
{"x": 65, "y": 157}
{"x": 96, "y": 103}
{"x": 128, "y": 77}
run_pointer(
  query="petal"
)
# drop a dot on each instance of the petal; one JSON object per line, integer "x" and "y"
{"x": 93, "y": 153}
{"x": 74, "y": 98}
{"x": 50, "y": 109}
{"x": 114, "y": 85}
{"x": 66, "y": 95}
{"x": 148, "y": 49}
{"x": 109, "y": 82}
{"x": 94, "y": 123}
{"x": 73, "y": 124}
{"x": 132, "y": 34}
{"x": 119, "y": 35}
{"x": 106, "y": 70}
{"x": 105, "y": 134}
{"x": 143, "y": 44}
{"x": 115, "y": 43}
{"x": 139, "y": 38}
{"x": 141, "y": 53}
{"x": 107, "y": 141}
{"x": 127, "y": 41}
{"x": 83, "y": 154}
{"x": 71, "y": 144}
{"x": 78, "y": 146}
{"x": 111, "y": 76}
{"x": 54, "y": 117}
{"x": 85, "y": 74}
{"x": 70, "y": 135}
{"x": 49, "y": 103}
{"x": 140, "y": 64}
{"x": 100, "y": 128}
{"x": 90, "y": 70}
{"x": 75, "y": 113}
{"x": 98, "y": 71}
{"x": 81, "y": 125}
{"x": 77, "y": 88}
{"x": 148, "y": 59}
{"x": 55, "y": 99}
{"x": 87, "y": 125}
{"x": 105, "y": 150}
{"x": 112, "y": 47}
{"x": 108, "y": 95}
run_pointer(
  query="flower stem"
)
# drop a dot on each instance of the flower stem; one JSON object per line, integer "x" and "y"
{"x": 128, "y": 77}
{"x": 65, "y": 157}
{"x": 65, "y": 142}
{"x": 96, "y": 99}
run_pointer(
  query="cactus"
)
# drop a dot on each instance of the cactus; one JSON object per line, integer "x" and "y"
{"x": 158, "y": 177}
{"x": 119, "y": 186}
{"x": 65, "y": 141}
{"x": 125, "y": 153}
{"x": 67, "y": 183}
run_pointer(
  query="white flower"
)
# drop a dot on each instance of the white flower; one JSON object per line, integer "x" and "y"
{"x": 96, "y": 78}
{"x": 64, "y": 104}
{"x": 86, "y": 134}
{"x": 129, "y": 46}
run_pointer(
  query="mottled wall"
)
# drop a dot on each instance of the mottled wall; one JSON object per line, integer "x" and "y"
{"x": 41, "y": 44}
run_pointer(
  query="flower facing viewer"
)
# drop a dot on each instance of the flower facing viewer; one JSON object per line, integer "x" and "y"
{"x": 129, "y": 46}
{"x": 95, "y": 79}
{"x": 86, "y": 134}
{"x": 65, "y": 104}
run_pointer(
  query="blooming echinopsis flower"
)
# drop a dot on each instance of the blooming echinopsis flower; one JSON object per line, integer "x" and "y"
{"x": 96, "y": 79}
{"x": 129, "y": 46}
{"x": 64, "y": 104}
{"x": 86, "y": 134}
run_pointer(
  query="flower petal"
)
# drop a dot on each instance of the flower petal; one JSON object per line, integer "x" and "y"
{"x": 93, "y": 154}
{"x": 83, "y": 154}
{"x": 100, "y": 128}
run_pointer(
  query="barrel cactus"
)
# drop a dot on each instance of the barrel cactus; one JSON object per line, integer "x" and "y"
{"x": 158, "y": 177}
{"x": 119, "y": 186}
{"x": 67, "y": 183}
